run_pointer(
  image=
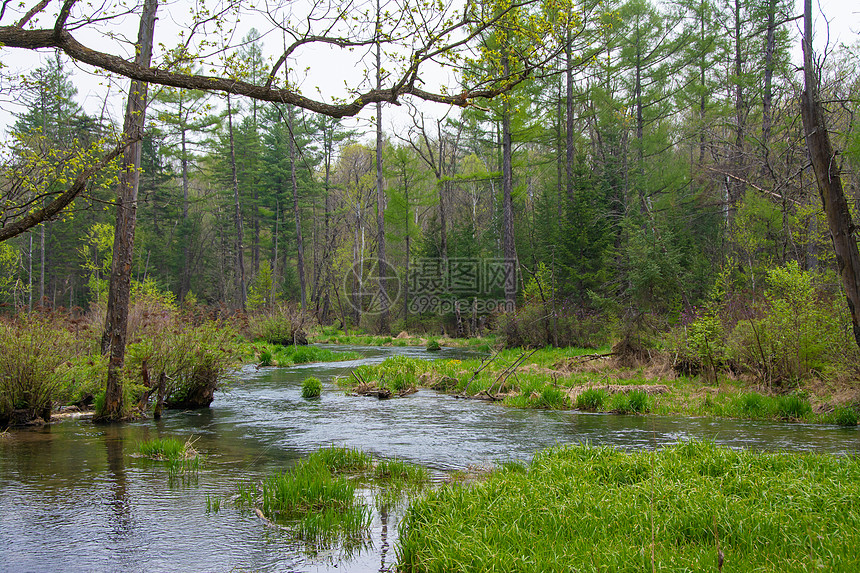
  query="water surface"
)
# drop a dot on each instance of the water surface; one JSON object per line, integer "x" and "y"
{"x": 72, "y": 498}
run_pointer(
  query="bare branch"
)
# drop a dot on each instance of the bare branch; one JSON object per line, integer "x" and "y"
{"x": 29, "y": 15}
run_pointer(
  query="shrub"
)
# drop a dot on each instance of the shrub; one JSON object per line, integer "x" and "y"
{"x": 592, "y": 400}
{"x": 797, "y": 333}
{"x": 195, "y": 360}
{"x": 433, "y": 345}
{"x": 534, "y": 327}
{"x": 311, "y": 388}
{"x": 283, "y": 325}
{"x": 33, "y": 355}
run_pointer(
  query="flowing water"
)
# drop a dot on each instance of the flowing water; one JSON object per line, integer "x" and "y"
{"x": 73, "y": 498}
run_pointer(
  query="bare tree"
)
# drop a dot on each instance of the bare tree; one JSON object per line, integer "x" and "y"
{"x": 826, "y": 167}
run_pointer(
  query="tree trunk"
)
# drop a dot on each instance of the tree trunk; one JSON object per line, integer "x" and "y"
{"x": 185, "y": 281}
{"x": 767, "y": 98}
{"x": 300, "y": 246}
{"x": 382, "y": 263}
{"x": 825, "y": 165}
{"x": 509, "y": 251}
{"x": 569, "y": 150}
{"x": 237, "y": 213}
{"x": 119, "y": 293}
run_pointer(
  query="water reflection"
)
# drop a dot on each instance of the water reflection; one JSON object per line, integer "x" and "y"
{"x": 121, "y": 523}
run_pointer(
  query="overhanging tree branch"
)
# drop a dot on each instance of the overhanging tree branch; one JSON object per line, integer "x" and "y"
{"x": 62, "y": 201}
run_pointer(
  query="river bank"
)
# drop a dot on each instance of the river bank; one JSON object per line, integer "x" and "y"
{"x": 599, "y": 380}
{"x": 77, "y": 488}
{"x": 688, "y": 507}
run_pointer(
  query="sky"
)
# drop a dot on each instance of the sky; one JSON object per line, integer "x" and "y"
{"x": 327, "y": 71}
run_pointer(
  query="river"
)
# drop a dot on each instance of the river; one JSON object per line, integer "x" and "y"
{"x": 73, "y": 498}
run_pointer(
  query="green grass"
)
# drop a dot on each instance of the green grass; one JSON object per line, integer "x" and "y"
{"x": 633, "y": 402}
{"x": 592, "y": 400}
{"x": 398, "y": 470}
{"x": 318, "y": 503}
{"x": 163, "y": 449}
{"x": 339, "y": 460}
{"x": 181, "y": 459}
{"x": 582, "y": 508}
{"x": 311, "y": 387}
{"x": 844, "y": 416}
{"x": 266, "y": 354}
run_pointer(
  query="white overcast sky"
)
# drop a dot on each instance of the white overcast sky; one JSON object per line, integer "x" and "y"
{"x": 329, "y": 73}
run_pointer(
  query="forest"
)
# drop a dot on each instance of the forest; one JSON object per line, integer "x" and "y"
{"x": 637, "y": 172}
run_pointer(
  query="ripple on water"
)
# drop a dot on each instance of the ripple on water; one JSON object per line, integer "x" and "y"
{"x": 73, "y": 499}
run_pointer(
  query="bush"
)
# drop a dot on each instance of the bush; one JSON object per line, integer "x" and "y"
{"x": 592, "y": 400}
{"x": 283, "y": 325}
{"x": 433, "y": 345}
{"x": 534, "y": 327}
{"x": 194, "y": 360}
{"x": 34, "y": 353}
{"x": 311, "y": 388}
{"x": 797, "y": 333}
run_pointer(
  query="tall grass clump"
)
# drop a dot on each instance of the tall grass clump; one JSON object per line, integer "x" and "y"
{"x": 793, "y": 407}
{"x": 162, "y": 449}
{"x": 180, "y": 457}
{"x": 633, "y": 402}
{"x": 671, "y": 510}
{"x": 592, "y": 400}
{"x": 311, "y": 387}
{"x": 844, "y": 416}
{"x": 398, "y": 470}
{"x": 309, "y": 499}
{"x": 340, "y": 459}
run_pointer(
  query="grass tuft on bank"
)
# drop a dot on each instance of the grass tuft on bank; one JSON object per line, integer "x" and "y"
{"x": 583, "y": 508}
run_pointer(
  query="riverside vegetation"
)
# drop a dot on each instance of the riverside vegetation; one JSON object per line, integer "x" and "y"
{"x": 786, "y": 356}
{"x": 689, "y": 507}
{"x": 177, "y": 357}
